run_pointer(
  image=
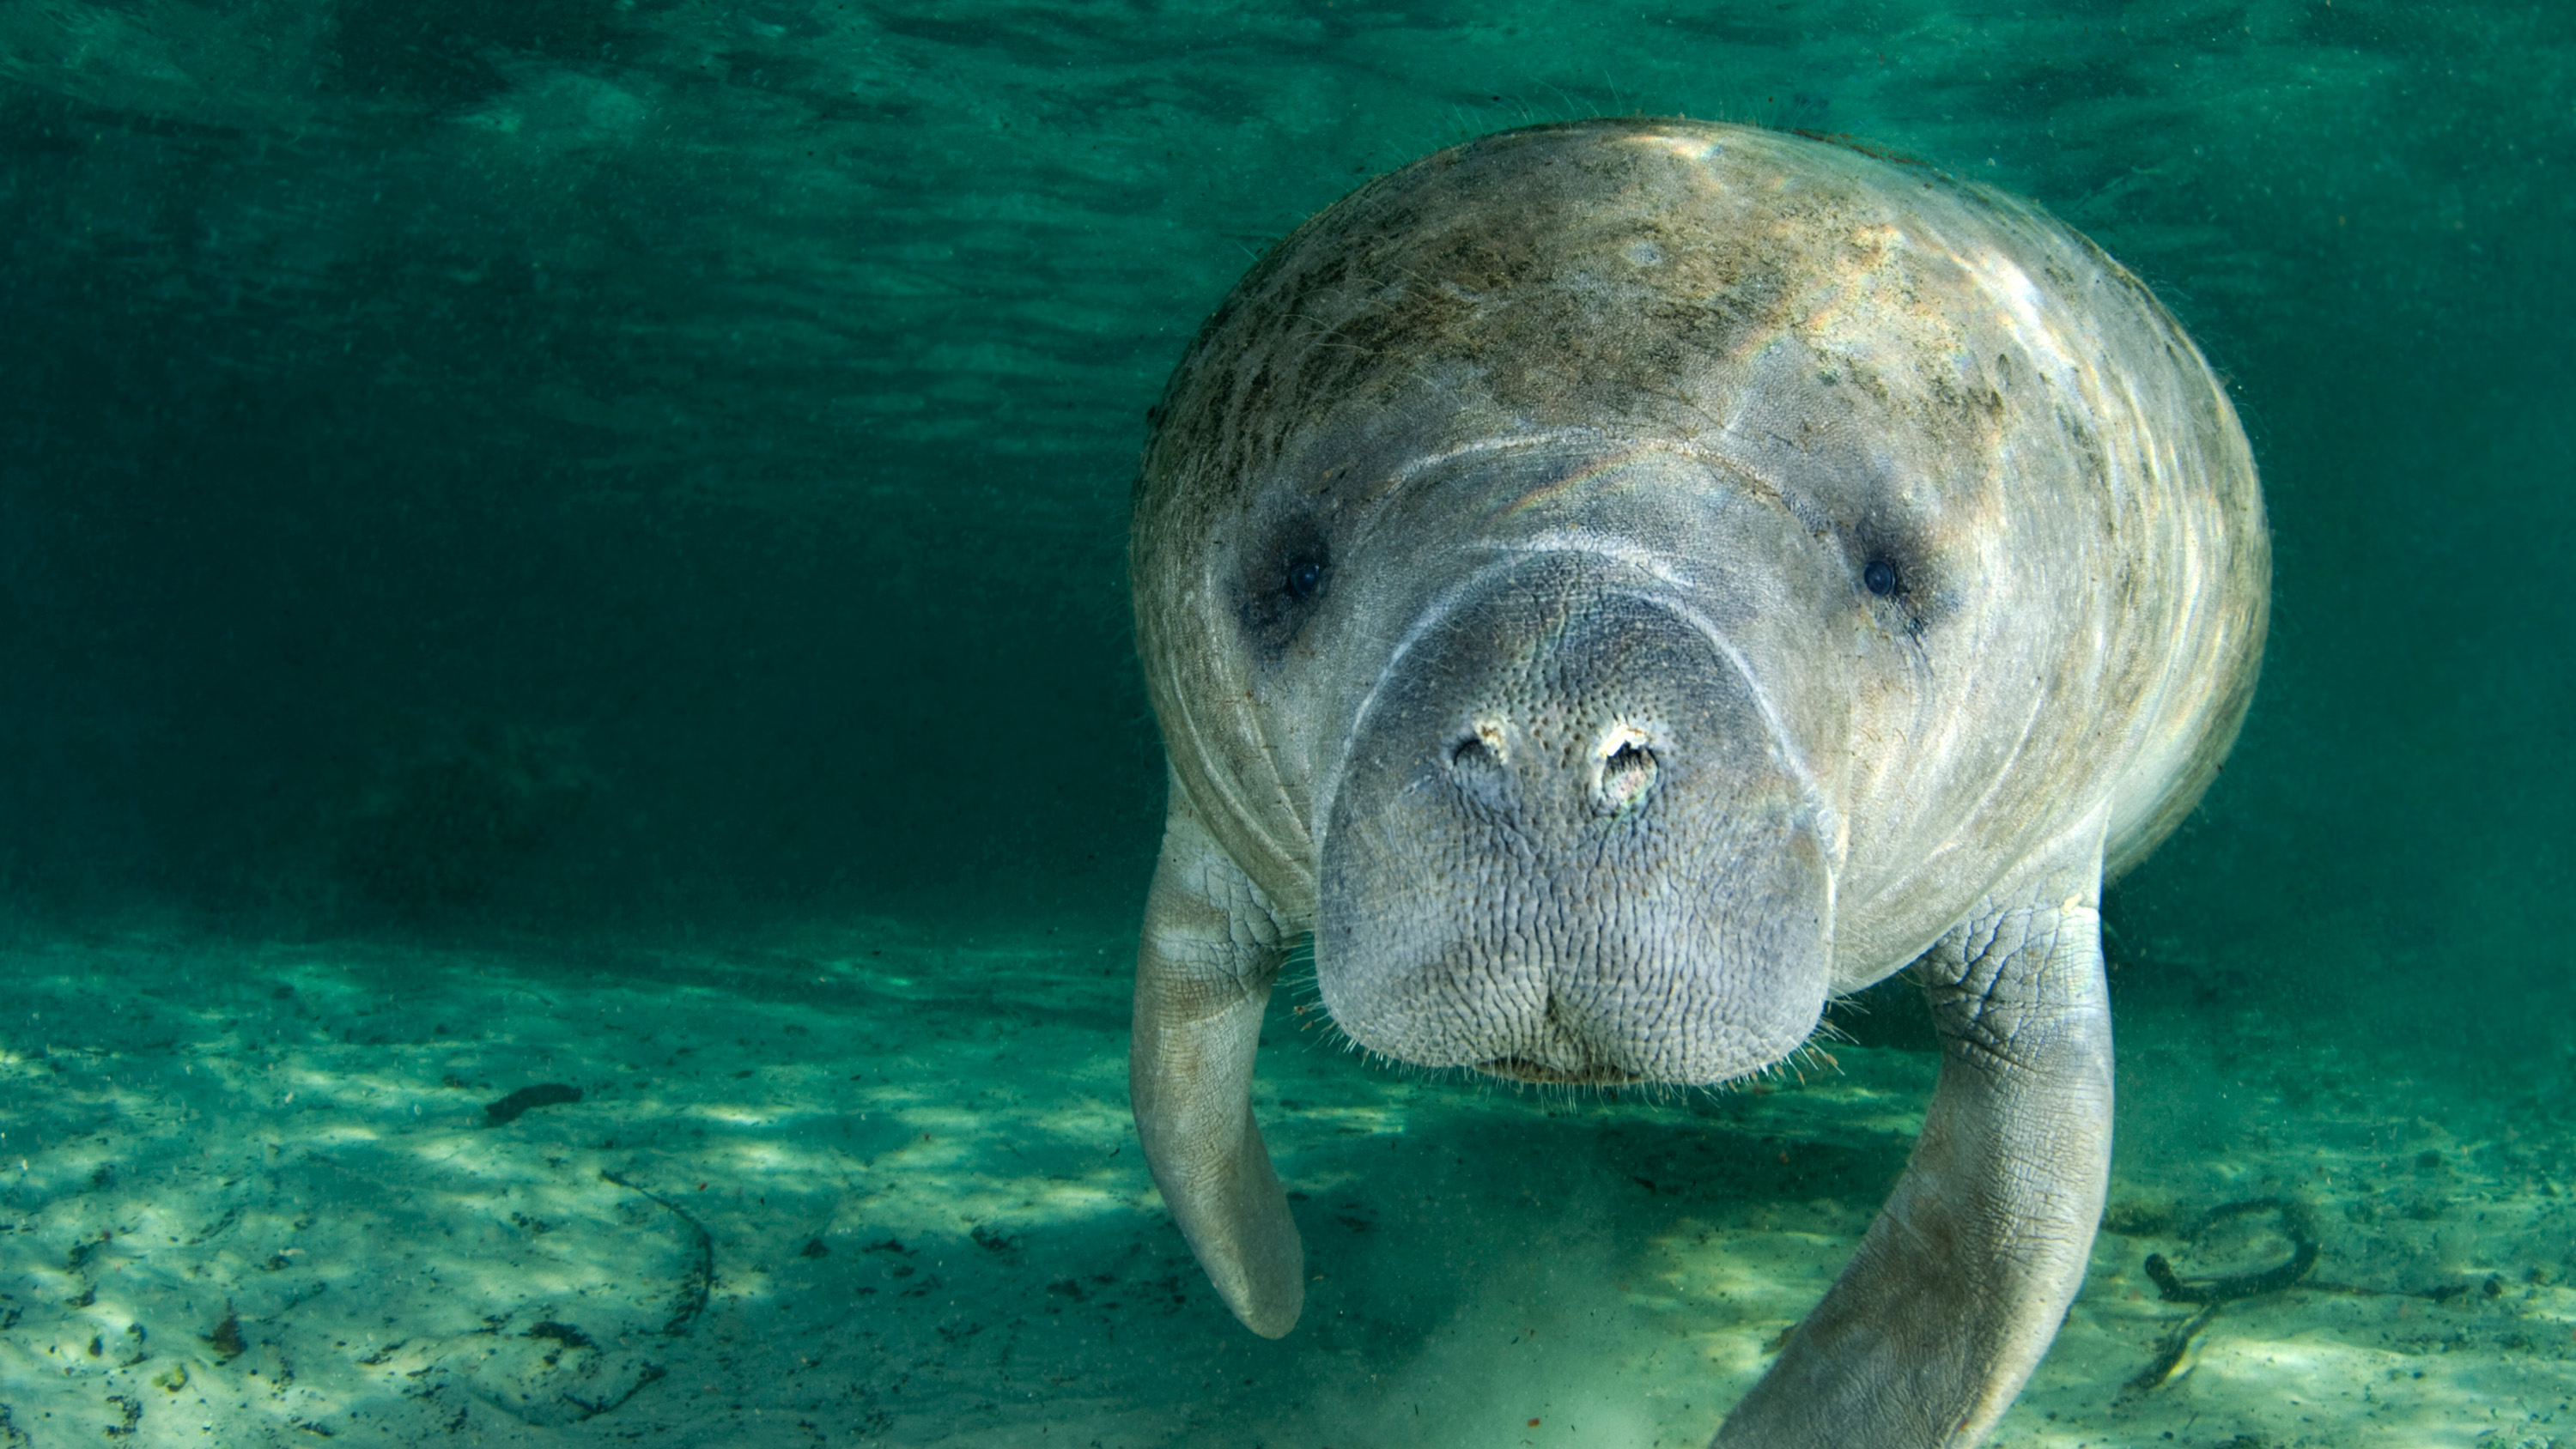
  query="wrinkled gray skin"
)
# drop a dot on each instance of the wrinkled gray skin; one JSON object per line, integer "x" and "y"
{"x": 1618, "y": 585}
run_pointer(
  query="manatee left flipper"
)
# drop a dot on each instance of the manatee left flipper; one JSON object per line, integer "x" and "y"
{"x": 1962, "y": 1280}
{"x": 1203, "y": 975}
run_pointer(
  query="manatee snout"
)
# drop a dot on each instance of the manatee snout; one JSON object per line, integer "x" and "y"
{"x": 1570, "y": 844}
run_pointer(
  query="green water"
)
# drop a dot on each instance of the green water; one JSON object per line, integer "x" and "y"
{"x": 534, "y": 518}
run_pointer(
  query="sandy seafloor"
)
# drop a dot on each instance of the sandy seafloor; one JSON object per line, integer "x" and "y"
{"x": 877, "y": 1185}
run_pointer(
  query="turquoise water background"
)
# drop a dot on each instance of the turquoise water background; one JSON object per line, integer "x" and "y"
{"x": 656, "y": 470}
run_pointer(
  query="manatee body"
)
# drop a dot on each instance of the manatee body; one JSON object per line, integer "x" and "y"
{"x": 1618, "y": 585}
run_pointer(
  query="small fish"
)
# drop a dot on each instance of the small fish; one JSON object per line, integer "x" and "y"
{"x": 543, "y": 1094}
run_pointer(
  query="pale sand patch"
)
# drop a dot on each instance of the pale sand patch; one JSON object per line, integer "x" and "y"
{"x": 877, "y": 1185}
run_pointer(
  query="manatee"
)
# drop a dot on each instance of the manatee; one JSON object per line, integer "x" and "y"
{"x": 1615, "y": 587}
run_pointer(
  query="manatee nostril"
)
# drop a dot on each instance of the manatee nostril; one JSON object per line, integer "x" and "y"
{"x": 1480, "y": 750}
{"x": 1627, "y": 772}
{"x": 1478, "y": 763}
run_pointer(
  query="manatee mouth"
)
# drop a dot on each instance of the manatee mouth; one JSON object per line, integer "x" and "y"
{"x": 1521, "y": 1069}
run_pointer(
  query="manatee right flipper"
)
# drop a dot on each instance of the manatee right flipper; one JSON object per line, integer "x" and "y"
{"x": 1962, "y": 1280}
{"x": 1203, "y": 974}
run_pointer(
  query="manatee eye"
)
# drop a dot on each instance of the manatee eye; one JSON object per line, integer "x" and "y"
{"x": 1880, "y": 577}
{"x": 1282, "y": 582}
